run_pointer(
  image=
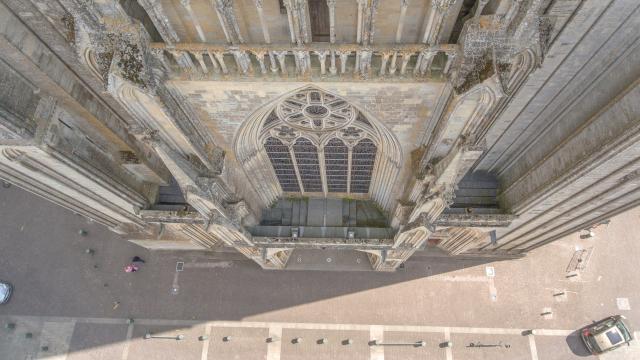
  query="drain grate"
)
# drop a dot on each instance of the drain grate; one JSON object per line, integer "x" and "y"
{"x": 580, "y": 260}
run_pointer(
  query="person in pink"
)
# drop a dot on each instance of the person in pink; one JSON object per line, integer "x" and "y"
{"x": 131, "y": 268}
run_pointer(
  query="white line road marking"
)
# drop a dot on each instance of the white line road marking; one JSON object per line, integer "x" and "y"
{"x": 127, "y": 342}
{"x": 209, "y": 265}
{"x": 205, "y": 343}
{"x": 447, "y": 337}
{"x": 553, "y": 332}
{"x": 376, "y": 332}
{"x": 532, "y": 346}
{"x": 275, "y": 346}
{"x": 306, "y": 326}
{"x": 175, "y": 288}
{"x": 493, "y": 292}
{"x": 463, "y": 278}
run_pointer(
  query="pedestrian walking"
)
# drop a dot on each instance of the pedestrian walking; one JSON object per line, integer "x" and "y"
{"x": 131, "y": 268}
{"x": 137, "y": 259}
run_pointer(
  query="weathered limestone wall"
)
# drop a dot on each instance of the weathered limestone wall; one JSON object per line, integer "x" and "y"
{"x": 404, "y": 108}
{"x": 565, "y": 149}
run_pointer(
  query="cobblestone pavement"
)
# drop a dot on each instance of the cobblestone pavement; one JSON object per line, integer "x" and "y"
{"x": 73, "y": 304}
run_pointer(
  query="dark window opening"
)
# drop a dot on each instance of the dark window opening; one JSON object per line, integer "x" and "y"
{"x": 464, "y": 15}
{"x": 136, "y": 11}
{"x": 319, "y": 16}
{"x": 283, "y": 9}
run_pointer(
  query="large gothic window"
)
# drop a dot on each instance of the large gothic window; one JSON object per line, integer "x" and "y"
{"x": 315, "y": 143}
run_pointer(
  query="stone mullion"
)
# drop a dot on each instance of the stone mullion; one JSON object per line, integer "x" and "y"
{"x": 273, "y": 62}
{"x": 349, "y": 161}
{"x": 343, "y": 61}
{"x": 405, "y": 60}
{"x": 260, "y": 57}
{"x": 160, "y": 20}
{"x": 220, "y": 58}
{"x": 383, "y": 65}
{"x": 427, "y": 59}
{"x": 295, "y": 167}
{"x": 332, "y": 20}
{"x": 297, "y": 14}
{"x": 479, "y": 7}
{"x": 393, "y": 66}
{"x": 366, "y": 21}
{"x": 323, "y": 170}
{"x": 437, "y": 13}
{"x": 228, "y": 21}
{"x": 403, "y": 12}
{"x": 322, "y": 56}
{"x": 451, "y": 56}
{"x": 214, "y": 62}
{"x": 281, "y": 60}
{"x": 194, "y": 19}
{"x": 292, "y": 30}
{"x": 359, "y": 28}
{"x": 263, "y": 23}
{"x": 199, "y": 56}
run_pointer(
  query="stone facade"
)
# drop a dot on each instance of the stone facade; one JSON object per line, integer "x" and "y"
{"x": 482, "y": 128}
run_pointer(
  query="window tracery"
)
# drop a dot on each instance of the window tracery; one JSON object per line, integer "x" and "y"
{"x": 321, "y": 132}
{"x": 341, "y": 150}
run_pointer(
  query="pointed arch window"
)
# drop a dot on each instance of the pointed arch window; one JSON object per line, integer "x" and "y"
{"x": 317, "y": 143}
{"x": 308, "y": 165}
{"x": 282, "y": 164}
{"x": 336, "y": 158}
{"x": 363, "y": 159}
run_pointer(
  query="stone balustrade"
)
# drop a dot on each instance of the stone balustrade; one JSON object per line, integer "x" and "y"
{"x": 396, "y": 62}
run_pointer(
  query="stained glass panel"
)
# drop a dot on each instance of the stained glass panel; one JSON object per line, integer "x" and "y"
{"x": 362, "y": 161}
{"x": 282, "y": 165}
{"x": 336, "y": 158}
{"x": 308, "y": 165}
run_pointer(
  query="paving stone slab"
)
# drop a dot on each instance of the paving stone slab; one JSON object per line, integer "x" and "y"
{"x": 245, "y": 343}
{"x": 151, "y": 349}
{"x": 431, "y": 350}
{"x": 512, "y": 347}
{"x": 333, "y": 349}
{"x": 97, "y": 341}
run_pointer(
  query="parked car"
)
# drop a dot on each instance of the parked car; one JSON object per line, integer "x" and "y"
{"x": 606, "y": 334}
{"x": 5, "y": 292}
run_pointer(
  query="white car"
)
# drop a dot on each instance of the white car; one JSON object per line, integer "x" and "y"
{"x": 5, "y": 292}
{"x": 606, "y": 334}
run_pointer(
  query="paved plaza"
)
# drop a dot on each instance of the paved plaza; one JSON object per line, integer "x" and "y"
{"x": 70, "y": 303}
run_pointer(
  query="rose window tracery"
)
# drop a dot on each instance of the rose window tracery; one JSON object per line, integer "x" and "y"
{"x": 316, "y": 110}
